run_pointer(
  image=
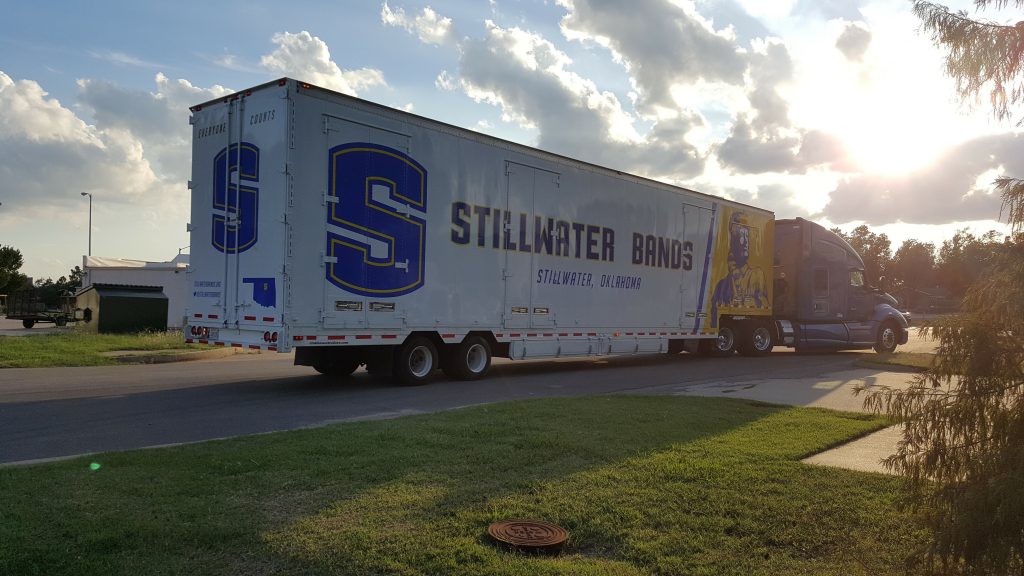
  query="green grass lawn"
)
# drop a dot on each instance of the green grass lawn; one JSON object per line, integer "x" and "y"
{"x": 662, "y": 485}
{"x": 80, "y": 348}
{"x": 913, "y": 361}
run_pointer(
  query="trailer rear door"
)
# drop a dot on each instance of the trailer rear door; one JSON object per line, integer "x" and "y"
{"x": 239, "y": 188}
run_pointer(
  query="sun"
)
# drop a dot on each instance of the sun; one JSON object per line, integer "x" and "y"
{"x": 882, "y": 141}
{"x": 893, "y": 110}
{"x": 882, "y": 130}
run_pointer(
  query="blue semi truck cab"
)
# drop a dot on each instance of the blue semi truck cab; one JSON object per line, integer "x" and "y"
{"x": 821, "y": 298}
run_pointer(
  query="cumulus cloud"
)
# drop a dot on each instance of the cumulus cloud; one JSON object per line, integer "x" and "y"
{"x": 955, "y": 186}
{"x": 774, "y": 196}
{"x": 428, "y": 25}
{"x": 307, "y": 58}
{"x": 48, "y": 155}
{"x": 779, "y": 199}
{"x": 662, "y": 44}
{"x": 135, "y": 147}
{"x": 767, "y": 141}
{"x": 665, "y": 46}
{"x": 745, "y": 27}
{"x": 533, "y": 83}
{"x": 830, "y": 9}
{"x": 445, "y": 81}
{"x": 770, "y": 66}
{"x": 764, "y": 142}
{"x": 747, "y": 151}
{"x": 531, "y": 80}
{"x": 854, "y": 42}
{"x": 818, "y": 148}
{"x": 158, "y": 119}
{"x": 129, "y": 147}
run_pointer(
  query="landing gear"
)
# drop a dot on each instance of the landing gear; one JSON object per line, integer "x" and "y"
{"x": 338, "y": 364}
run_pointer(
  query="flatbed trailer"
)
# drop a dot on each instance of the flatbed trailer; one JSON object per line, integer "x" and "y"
{"x": 27, "y": 306}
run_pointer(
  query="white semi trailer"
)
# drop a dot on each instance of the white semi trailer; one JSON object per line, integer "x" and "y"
{"x": 358, "y": 234}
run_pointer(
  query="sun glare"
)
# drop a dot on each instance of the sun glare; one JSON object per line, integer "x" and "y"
{"x": 892, "y": 108}
{"x": 881, "y": 142}
{"x": 883, "y": 129}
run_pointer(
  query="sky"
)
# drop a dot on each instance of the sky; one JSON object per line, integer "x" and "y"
{"x": 832, "y": 110}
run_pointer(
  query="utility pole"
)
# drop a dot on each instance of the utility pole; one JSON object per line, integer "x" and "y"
{"x": 89, "y": 194}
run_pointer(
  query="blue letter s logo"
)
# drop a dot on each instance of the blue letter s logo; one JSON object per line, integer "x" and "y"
{"x": 377, "y": 229}
{"x": 236, "y": 198}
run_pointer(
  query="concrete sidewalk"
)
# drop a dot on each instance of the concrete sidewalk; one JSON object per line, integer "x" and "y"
{"x": 833, "y": 391}
{"x": 864, "y": 454}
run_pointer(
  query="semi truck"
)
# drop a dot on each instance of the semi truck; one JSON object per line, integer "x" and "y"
{"x": 356, "y": 234}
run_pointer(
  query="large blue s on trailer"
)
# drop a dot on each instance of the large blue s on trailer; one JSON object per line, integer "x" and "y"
{"x": 822, "y": 298}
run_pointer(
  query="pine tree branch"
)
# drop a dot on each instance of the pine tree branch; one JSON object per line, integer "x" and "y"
{"x": 981, "y": 55}
{"x": 997, "y": 4}
{"x": 1012, "y": 190}
{"x": 928, "y": 11}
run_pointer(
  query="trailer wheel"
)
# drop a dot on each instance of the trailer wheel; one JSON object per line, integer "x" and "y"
{"x": 757, "y": 341}
{"x": 469, "y": 360}
{"x": 414, "y": 361}
{"x": 886, "y": 342}
{"x": 28, "y": 323}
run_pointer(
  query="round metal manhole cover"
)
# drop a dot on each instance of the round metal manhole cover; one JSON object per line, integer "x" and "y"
{"x": 529, "y": 535}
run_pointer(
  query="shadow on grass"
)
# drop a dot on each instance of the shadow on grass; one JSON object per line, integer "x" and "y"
{"x": 722, "y": 499}
{"x": 644, "y": 484}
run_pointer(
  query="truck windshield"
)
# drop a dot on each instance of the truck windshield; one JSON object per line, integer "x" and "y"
{"x": 857, "y": 278}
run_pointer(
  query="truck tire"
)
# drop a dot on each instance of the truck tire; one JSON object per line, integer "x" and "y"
{"x": 414, "y": 361}
{"x": 758, "y": 340}
{"x": 469, "y": 360}
{"x": 724, "y": 345}
{"x": 28, "y": 323}
{"x": 887, "y": 338}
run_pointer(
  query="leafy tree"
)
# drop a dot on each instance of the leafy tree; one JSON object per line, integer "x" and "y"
{"x": 50, "y": 291}
{"x": 962, "y": 451}
{"x": 874, "y": 249}
{"x": 964, "y": 257}
{"x": 913, "y": 265}
{"x": 913, "y": 270}
{"x": 10, "y": 262}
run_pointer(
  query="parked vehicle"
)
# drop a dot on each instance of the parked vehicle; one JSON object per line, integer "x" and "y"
{"x": 359, "y": 234}
{"x": 29, "y": 307}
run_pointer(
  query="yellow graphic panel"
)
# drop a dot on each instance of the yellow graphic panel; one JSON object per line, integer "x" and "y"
{"x": 741, "y": 265}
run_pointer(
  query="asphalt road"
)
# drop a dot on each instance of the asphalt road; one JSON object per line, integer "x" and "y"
{"x": 58, "y": 412}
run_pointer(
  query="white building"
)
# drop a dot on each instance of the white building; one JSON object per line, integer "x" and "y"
{"x": 168, "y": 275}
